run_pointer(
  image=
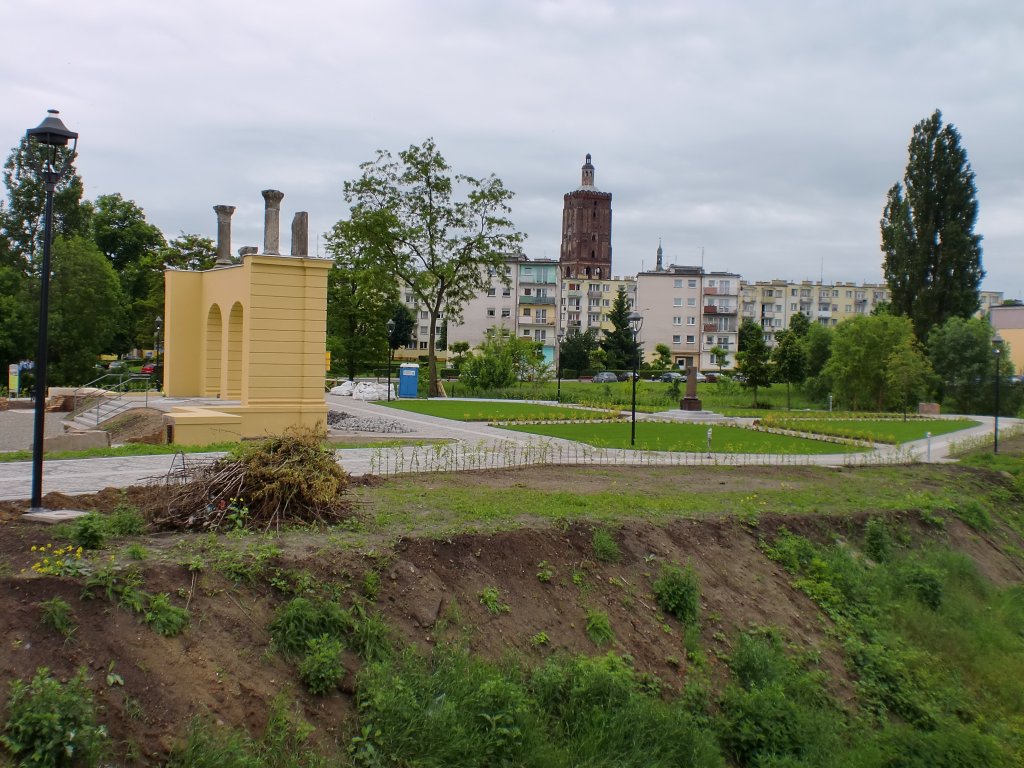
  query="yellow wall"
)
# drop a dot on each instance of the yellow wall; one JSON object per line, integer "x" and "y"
{"x": 253, "y": 335}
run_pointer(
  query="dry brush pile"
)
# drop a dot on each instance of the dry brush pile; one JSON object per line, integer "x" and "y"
{"x": 289, "y": 479}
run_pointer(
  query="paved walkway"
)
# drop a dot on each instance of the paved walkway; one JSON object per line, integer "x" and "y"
{"x": 471, "y": 446}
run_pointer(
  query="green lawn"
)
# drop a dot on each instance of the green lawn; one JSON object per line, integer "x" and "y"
{"x": 485, "y": 410}
{"x": 687, "y": 438}
{"x": 876, "y": 430}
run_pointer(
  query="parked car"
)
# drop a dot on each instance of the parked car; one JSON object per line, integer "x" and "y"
{"x": 605, "y": 377}
{"x": 671, "y": 376}
{"x": 148, "y": 368}
{"x": 116, "y": 365}
{"x": 628, "y": 375}
{"x": 701, "y": 378}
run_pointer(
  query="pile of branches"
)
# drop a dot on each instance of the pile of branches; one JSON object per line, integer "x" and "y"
{"x": 290, "y": 479}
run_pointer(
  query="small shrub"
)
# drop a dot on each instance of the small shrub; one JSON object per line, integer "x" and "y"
{"x": 125, "y": 520}
{"x": 490, "y": 599}
{"x": 57, "y": 615}
{"x": 545, "y": 572}
{"x": 50, "y": 723}
{"x": 371, "y": 584}
{"x": 606, "y": 549}
{"x": 300, "y": 620}
{"x": 677, "y": 592}
{"x": 926, "y": 584}
{"x": 137, "y": 552}
{"x": 877, "y": 540}
{"x": 975, "y": 515}
{"x": 88, "y": 531}
{"x": 539, "y": 639}
{"x": 163, "y": 617}
{"x": 321, "y": 668}
{"x": 599, "y": 627}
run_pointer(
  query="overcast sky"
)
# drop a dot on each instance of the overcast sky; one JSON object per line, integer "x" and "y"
{"x": 764, "y": 133}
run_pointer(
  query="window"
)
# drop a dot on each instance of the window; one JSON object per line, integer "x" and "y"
{"x": 792, "y": 306}
{"x": 711, "y": 283}
{"x": 424, "y": 329}
{"x": 505, "y": 312}
{"x": 778, "y": 307}
{"x": 725, "y": 285}
{"x": 491, "y": 291}
{"x": 526, "y": 311}
{"x": 848, "y": 308}
{"x": 490, "y": 311}
{"x": 506, "y": 291}
{"x": 769, "y": 293}
{"x": 849, "y": 294}
{"x": 424, "y": 315}
{"x": 792, "y": 292}
{"x": 605, "y": 287}
{"x": 526, "y": 333}
{"x": 409, "y": 298}
{"x": 691, "y": 283}
{"x": 677, "y": 301}
{"x": 691, "y": 301}
{"x": 677, "y": 320}
{"x": 677, "y": 339}
{"x": 540, "y": 316}
{"x": 691, "y": 339}
{"x": 677, "y": 283}
{"x": 526, "y": 292}
{"x": 423, "y": 345}
{"x": 691, "y": 320}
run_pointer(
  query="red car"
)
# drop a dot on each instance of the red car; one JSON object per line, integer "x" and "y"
{"x": 149, "y": 368}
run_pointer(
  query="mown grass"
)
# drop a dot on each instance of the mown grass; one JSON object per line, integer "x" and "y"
{"x": 506, "y": 410}
{"x": 687, "y": 438}
{"x": 875, "y": 430}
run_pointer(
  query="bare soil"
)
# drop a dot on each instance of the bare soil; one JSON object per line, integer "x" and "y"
{"x": 223, "y": 664}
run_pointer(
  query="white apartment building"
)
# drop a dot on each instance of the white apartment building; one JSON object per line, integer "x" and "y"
{"x": 537, "y": 293}
{"x": 585, "y": 304}
{"x": 690, "y": 311}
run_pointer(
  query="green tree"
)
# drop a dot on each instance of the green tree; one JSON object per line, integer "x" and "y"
{"x": 719, "y": 356}
{"x": 907, "y": 373}
{"x": 789, "y": 361}
{"x": 754, "y": 357}
{"x": 932, "y": 255}
{"x": 960, "y": 352}
{"x": 405, "y": 324}
{"x": 620, "y": 349}
{"x": 435, "y": 232}
{"x": 577, "y": 351}
{"x": 861, "y": 347}
{"x": 86, "y": 309}
{"x": 16, "y": 323}
{"x": 502, "y": 360}
{"x": 361, "y": 298}
{"x": 459, "y": 350}
{"x": 800, "y": 324}
{"x": 192, "y": 252}
{"x": 817, "y": 344}
{"x": 21, "y": 218}
{"x": 663, "y": 357}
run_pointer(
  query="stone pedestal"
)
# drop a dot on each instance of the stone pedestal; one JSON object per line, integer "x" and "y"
{"x": 690, "y": 404}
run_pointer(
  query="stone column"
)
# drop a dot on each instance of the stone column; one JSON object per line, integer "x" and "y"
{"x": 272, "y": 222}
{"x": 223, "y": 232}
{"x": 300, "y": 234}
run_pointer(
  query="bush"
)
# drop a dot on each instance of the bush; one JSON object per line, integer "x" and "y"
{"x": 926, "y": 584}
{"x": 57, "y": 615}
{"x": 89, "y": 531}
{"x": 321, "y": 668}
{"x": 125, "y": 520}
{"x": 599, "y": 627}
{"x": 52, "y": 724}
{"x": 677, "y": 592}
{"x": 877, "y": 540}
{"x": 300, "y": 620}
{"x": 163, "y": 617}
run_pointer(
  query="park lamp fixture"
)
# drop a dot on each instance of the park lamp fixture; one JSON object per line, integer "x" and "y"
{"x": 390, "y": 325}
{"x": 636, "y": 322}
{"x": 49, "y": 135}
{"x": 997, "y": 352}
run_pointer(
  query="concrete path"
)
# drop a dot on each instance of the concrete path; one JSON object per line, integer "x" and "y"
{"x": 470, "y": 446}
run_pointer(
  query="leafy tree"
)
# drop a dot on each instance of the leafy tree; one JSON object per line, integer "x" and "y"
{"x": 503, "y": 359}
{"x": 907, "y": 373}
{"x": 620, "y": 349}
{"x": 86, "y": 309}
{"x": 436, "y": 232}
{"x": 405, "y": 324}
{"x": 789, "y": 360}
{"x": 754, "y": 357}
{"x": 719, "y": 356}
{"x": 663, "y": 359}
{"x": 961, "y": 354}
{"x": 459, "y": 350}
{"x": 361, "y": 297}
{"x": 193, "y": 252}
{"x": 932, "y": 256}
{"x": 21, "y": 218}
{"x": 861, "y": 347}
{"x": 16, "y": 323}
{"x": 577, "y": 350}
{"x": 817, "y": 344}
{"x": 799, "y": 324}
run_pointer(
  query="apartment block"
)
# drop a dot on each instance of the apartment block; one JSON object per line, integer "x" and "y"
{"x": 537, "y": 303}
{"x": 585, "y": 304}
{"x": 690, "y": 311}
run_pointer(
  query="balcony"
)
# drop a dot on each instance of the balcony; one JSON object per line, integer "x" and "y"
{"x": 535, "y": 321}
{"x": 710, "y": 291}
{"x": 537, "y": 300}
{"x": 710, "y": 310}
{"x": 710, "y": 327}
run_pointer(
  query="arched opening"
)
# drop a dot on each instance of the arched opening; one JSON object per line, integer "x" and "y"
{"x": 234, "y": 353}
{"x": 214, "y": 336}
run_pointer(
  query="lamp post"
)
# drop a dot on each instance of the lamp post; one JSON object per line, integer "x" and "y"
{"x": 558, "y": 365}
{"x": 390, "y": 325}
{"x": 636, "y": 322}
{"x": 997, "y": 351}
{"x": 48, "y": 135}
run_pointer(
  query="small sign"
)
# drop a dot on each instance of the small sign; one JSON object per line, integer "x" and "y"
{"x": 13, "y": 379}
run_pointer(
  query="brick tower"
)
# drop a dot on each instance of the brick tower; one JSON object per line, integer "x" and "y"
{"x": 587, "y": 230}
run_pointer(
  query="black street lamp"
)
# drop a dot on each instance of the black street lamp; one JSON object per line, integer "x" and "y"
{"x": 49, "y": 135}
{"x": 158, "y": 371}
{"x": 997, "y": 352}
{"x": 636, "y": 322}
{"x": 390, "y": 325}
{"x": 558, "y": 365}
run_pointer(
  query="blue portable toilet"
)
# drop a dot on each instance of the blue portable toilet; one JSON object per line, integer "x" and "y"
{"x": 408, "y": 380}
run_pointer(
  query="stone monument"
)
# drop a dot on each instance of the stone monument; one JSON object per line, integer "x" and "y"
{"x": 690, "y": 401}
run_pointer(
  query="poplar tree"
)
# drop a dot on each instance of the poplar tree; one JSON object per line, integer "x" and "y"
{"x": 932, "y": 255}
